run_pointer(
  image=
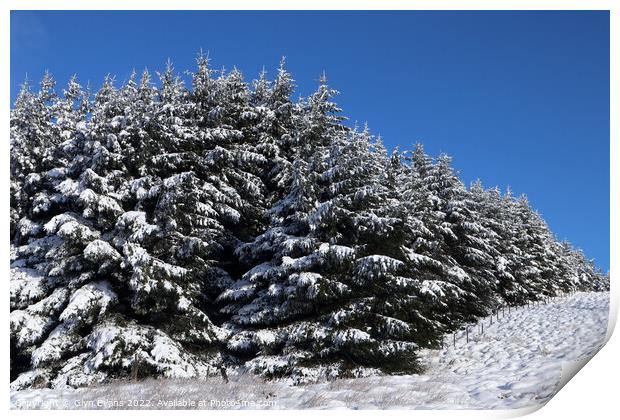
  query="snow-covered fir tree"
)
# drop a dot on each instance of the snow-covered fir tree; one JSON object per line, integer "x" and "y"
{"x": 165, "y": 229}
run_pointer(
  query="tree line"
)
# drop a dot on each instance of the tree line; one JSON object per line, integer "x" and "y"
{"x": 223, "y": 224}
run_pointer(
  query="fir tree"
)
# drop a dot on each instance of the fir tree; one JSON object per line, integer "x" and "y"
{"x": 170, "y": 230}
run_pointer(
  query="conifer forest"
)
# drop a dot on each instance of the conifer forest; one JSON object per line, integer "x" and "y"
{"x": 178, "y": 227}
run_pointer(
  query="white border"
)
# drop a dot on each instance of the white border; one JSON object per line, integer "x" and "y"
{"x": 312, "y": 5}
{"x": 592, "y": 393}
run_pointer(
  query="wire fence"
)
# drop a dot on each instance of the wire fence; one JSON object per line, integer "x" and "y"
{"x": 472, "y": 330}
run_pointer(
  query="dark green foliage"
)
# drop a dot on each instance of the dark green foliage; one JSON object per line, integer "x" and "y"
{"x": 222, "y": 224}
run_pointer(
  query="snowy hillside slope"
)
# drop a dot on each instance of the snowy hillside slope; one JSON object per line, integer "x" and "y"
{"x": 517, "y": 362}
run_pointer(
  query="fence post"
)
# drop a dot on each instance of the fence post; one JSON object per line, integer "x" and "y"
{"x": 454, "y": 339}
{"x": 467, "y": 333}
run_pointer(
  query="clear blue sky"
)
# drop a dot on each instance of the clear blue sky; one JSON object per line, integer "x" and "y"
{"x": 517, "y": 98}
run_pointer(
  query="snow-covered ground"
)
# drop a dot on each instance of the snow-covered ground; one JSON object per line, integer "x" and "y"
{"x": 517, "y": 362}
